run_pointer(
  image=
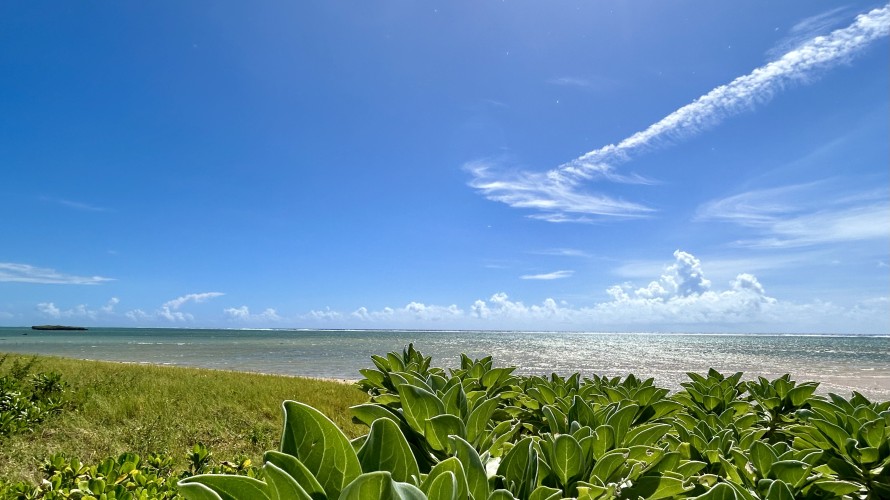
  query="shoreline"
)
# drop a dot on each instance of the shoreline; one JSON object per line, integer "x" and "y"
{"x": 843, "y": 385}
{"x": 344, "y": 381}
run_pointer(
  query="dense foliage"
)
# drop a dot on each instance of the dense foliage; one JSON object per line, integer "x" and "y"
{"x": 482, "y": 433}
{"x": 127, "y": 477}
{"x": 27, "y": 399}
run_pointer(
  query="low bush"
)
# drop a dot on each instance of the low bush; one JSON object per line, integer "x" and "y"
{"x": 482, "y": 433}
{"x": 26, "y": 398}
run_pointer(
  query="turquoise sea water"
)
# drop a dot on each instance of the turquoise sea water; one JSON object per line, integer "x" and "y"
{"x": 840, "y": 363}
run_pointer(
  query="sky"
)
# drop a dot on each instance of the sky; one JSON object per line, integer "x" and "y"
{"x": 605, "y": 166}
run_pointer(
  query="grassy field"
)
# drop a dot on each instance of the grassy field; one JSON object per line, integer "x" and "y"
{"x": 116, "y": 407}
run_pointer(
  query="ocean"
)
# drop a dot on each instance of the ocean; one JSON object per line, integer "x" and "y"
{"x": 841, "y": 363}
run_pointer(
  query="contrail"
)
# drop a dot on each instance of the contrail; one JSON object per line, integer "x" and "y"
{"x": 553, "y": 192}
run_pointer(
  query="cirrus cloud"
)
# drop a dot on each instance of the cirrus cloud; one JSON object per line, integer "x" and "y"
{"x": 560, "y": 194}
{"x": 25, "y": 273}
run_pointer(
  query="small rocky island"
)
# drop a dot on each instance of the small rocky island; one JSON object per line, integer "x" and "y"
{"x": 57, "y": 327}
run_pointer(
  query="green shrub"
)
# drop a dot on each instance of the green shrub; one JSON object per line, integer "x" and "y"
{"x": 482, "y": 433}
{"x": 25, "y": 399}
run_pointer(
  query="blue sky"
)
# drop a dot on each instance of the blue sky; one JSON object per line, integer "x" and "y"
{"x": 598, "y": 166}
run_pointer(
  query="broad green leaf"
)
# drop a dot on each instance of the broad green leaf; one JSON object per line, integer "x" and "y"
{"x": 646, "y": 434}
{"x": 566, "y": 457}
{"x": 621, "y": 420}
{"x": 382, "y": 363}
{"x": 656, "y": 487}
{"x": 367, "y": 413}
{"x": 231, "y": 487}
{"x": 443, "y": 487}
{"x": 762, "y": 456}
{"x": 556, "y": 419}
{"x": 440, "y": 427}
{"x": 419, "y": 405}
{"x": 779, "y": 490}
{"x": 495, "y": 376}
{"x": 669, "y": 462}
{"x": 455, "y": 401}
{"x": 519, "y": 467}
{"x": 545, "y": 493}
{"x": 479, "y": 418}
{"x": 374, "y": 376}
{"x": 603, "y": 440}
{"x": 379, "y": 486}
{"x": 452, "y": 466}
{"x": 607, "y": 465}
{"x": 477, "y": 479}
{"x": 281, "y": 485}
{"x": 293, "y": 467}
{"x": 793, "y": 472}
{"x": 197, "y": 491}
{"x": 838, "y": 487}
{"x": 800, "y": 394}
{"x": 501, "y": 495}
{"x": 837, "y": 435}
{"x": 873, "y": 433}
{"x": 320, "y": 445}
{"x": 395, "y": 363}
{"x": 721, "y": 491}
{"x": 592, "y": 491}
{"x": 387, "y": 450}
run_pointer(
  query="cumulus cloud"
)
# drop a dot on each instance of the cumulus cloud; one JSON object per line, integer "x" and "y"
{"x": 559, "y": 195}
{"x": 679, "y": 298}
{"x": 169, "y": 311}
{"x": 325, "y": 314}
{"x": 83, "y": 311}
{"x": 243, "y": 314}
{"x": 108, "y": 308}
{"x": 192, "y": 297}
{"x": 804, "y": 215}
{"x": 555, "y": 275}
{"x": 49, "y": 309}
{"x": 24, "y": 273}
{"x": 412, "y": 312}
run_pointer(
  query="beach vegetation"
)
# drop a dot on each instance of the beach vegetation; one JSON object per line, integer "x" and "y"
{"x": 482, "y": 432}
{"x": 27, "y": 398}
{"x": 114, "y": 408}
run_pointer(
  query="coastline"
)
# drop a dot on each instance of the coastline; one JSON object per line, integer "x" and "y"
{"x": 840, "y": 363}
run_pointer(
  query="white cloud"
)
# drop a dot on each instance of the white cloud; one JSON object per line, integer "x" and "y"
{"x": 243, "y": 314}
{"x": 49, "y": 309}
{"x": 681, "y": 298}
{"x": 563, "y": 252}
{"x": 323, "y": 315}
{"x": 555, "y": 275}
{"x": 809, "y": 28}
{"x": 588, "y": 83}
{"x": 192, "y": 297}
{"x": 558, "y": 195}
{"x": 24, "y": 273}
{"x": 108, "y": 308}
{"x": 138, "y": 315}
{"x": 804, "y": 215}
{"x": 169, "y": 311}
{"x": 86, "y": 207}
{"x": 173, "y": 316}
{"x": 412, "y": 312}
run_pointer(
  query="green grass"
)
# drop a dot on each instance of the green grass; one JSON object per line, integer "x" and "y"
{"x": 114, "y": 408}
